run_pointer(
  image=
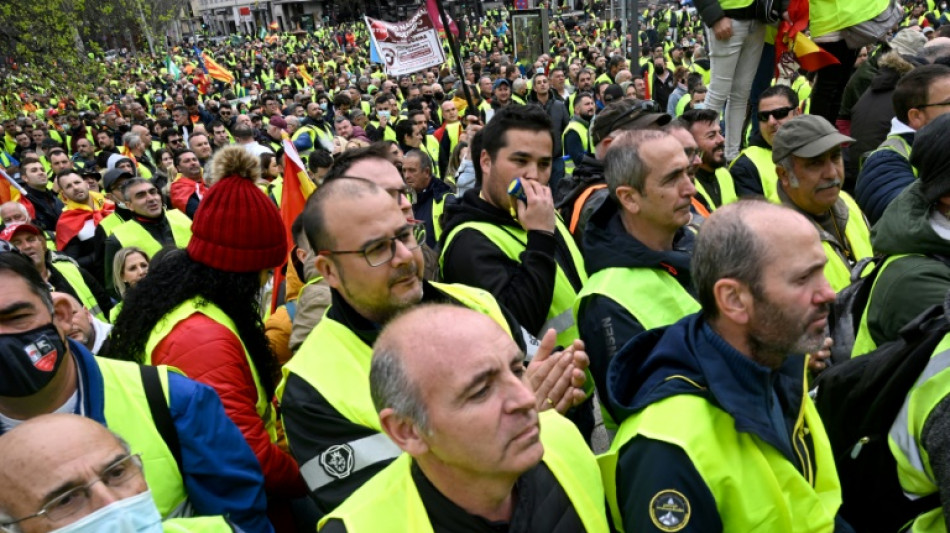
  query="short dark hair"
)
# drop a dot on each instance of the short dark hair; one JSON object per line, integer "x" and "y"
{"x": 913, "y": 89}
{"x": 65, "y": 172}
{"x": 344, "y": 161}
{"x": 529, "y": 117}
{"x": 781, "y": 89}
{"x": 700, "y": 116}
{"x": 179, "y": 155}
{"x": 319, "y": 159}
{"x": 21, "y": 266}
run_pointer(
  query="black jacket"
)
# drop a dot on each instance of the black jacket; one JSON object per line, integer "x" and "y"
{"x": 422, "y": 209}
{"x": 47, "y": 207}
{"x": 313, "y": 425}
{"x": 604, "y": 325}
{"x": 525, "y": 288}
{"x": 745, "y": 174}
{"x": 540, "y": 506}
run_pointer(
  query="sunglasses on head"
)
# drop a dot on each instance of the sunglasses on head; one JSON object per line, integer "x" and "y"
{"x": 779, "y": 113}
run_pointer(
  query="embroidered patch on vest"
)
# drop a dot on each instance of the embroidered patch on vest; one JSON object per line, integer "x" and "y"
{"x": 669, "y": 510}
{"x": 337, "y": 461}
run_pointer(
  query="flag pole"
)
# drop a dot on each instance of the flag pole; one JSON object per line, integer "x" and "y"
{"x": 453, "y": 48}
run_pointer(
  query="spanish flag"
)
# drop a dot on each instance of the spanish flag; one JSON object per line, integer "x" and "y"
{"x": 792, "y": 43}
{"x": 307, "y": 78}
{"x": 296, "y": 189}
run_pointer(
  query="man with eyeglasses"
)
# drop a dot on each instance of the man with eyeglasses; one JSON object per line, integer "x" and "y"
{"x": 586, "y": 191}
{"x": 173, "y": 140}
{"x": 753, "y": 172}
{"x": 637, "y": 247}
{"x": 921, "y": 96}
{"x": 95, "y": 481}
{"x": 196, "y": 459}
{"x": 369, "y": 254}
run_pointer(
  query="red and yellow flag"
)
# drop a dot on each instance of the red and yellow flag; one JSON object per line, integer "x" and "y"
{"x": 215, "y": 70}
{"x": 792, "y": 43}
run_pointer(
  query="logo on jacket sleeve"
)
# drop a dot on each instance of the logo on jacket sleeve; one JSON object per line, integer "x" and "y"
{"x": 669, "y": 510}
{"x": 337, "y": 461}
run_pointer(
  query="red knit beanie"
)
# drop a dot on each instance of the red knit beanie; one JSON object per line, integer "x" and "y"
{"x": 237, "y": 228}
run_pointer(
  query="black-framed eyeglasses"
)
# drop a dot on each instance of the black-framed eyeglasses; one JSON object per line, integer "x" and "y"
{"x": 778, "y": 113}
{"x": 382, "y": 251}
{"x": 78, "y": 499}
{"x": 945, "y": 102}
{"x": 638, "y": 108}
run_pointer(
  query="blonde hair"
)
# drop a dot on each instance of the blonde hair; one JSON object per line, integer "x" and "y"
{"x": 118, "y": 267}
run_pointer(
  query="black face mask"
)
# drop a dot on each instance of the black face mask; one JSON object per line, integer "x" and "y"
{"x": 29, "y": 360}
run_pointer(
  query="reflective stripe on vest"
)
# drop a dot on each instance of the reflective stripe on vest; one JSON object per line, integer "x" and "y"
{"x": 74, "y": 277}
{"x": 837, "y": 270}
{"x": 755, "y": 486}
{"x": 128, "y": 415}
{"x": 391, "y": 502}
{"x": 335, "y": 362}
{"x": 583, "y": 132}
{"x": 904, "y": 438}
{"x": 168, "y": 322}
{"x": 131, "y": 233}
{"x": 579, "y": 205}
{"x": 727, "y": 189}
{"x": 762, "y": 159}
{"x": 896, "y": 143}
{"x": 512, "y": 242}
{"x": 863, "y": 342}
{"x": 431, "y": 147}
{"x": 438, "y": 207}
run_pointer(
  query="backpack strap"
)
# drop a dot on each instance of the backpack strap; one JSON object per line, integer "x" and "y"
{"x": 161, "y": 414}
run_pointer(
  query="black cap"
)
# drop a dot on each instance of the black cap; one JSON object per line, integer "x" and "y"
{"x": 113, "y": 176}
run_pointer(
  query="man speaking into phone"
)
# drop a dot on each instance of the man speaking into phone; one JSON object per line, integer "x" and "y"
{"x": 517, "y": 249}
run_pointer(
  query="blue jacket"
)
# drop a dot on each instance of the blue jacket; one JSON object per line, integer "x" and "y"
{"x": 221, "y": 474}
{"x": 885, "y": 175}
{"x": 642, "y": 373}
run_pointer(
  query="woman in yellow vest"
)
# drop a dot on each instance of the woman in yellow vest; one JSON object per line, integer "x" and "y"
{"x": 129, "y": 267}
{"x": 199, "y": 310}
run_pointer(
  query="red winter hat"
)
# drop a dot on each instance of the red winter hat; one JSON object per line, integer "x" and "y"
{"x": 237, "y": 228}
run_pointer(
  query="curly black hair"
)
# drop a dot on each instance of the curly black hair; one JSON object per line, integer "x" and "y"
{"x": 176, "y": 279}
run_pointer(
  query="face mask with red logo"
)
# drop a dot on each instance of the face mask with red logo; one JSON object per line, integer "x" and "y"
{"x": 29, "y": 360}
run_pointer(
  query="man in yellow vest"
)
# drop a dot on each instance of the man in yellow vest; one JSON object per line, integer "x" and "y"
{"x": 753, "y": 172}
{"x": 576, "y": 137}
{"x": 193, "y": 455}
{"x": 807, "y": 156}
{"x": 37, "y": 458}
{"x": 58, "y": 270}
{"x": 471, "y": 432}
{"x": 76, "y": 227}
{"x": 637, "y": 247}
{"x": 369, "y": 254}
{"x": 718, "y": 430}
{"x": 714, "y": 185}
{"x": 150, "y": 228}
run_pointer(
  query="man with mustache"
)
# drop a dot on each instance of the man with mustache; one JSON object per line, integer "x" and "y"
{"x": 637, "y": 247}
{"x": 368, "y": 252}
{"x": 807, "y": 156}
{"x": 714, "y": 184}
{"x": 705, "y": 399}
{"x": 477, "y": 451}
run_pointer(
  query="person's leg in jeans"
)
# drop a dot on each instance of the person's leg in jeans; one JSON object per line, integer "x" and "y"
{"x": 733, "y": 63}
{"x": 831, "y": 81}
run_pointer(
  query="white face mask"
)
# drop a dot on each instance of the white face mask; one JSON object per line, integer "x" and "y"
{"x": 137, "y": 514}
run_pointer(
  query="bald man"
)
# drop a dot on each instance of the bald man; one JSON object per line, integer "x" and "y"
{"x": 90, "y": 480}
{"x": 470, "y": 431}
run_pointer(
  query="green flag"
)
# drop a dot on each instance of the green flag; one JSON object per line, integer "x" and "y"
{"x": 172, "y": 67}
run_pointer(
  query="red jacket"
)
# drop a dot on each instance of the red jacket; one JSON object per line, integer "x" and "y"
{"x": 208, "y": 352}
